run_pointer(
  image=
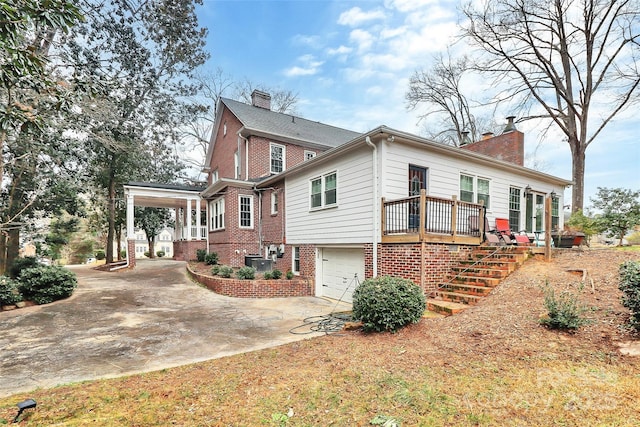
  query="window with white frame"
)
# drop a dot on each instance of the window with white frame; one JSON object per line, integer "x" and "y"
{"x": 245, "y": 209}
{"x": 514, "y": 208}
{"x": 309, "y": 154}
{"x": 474, "y": 189}
{"x": 214, "y": 176}
{"x": 216, "y": 208}
{"x": 555, "y": 212}
{"x": 277, "y": 157}
{"x": 324, "y": 190}
{"x": 274, "y": 203}
{"x": 295, "y": 267}
{"x": 224, "y": 129}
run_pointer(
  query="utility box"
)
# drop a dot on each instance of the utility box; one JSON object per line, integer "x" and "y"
{"x": 261, "y": 264}
{"x": 249, "y": 258}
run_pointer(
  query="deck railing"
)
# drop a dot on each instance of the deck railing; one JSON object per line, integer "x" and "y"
{"x": 432, "y": 219}
{"x": 195, "y": 232}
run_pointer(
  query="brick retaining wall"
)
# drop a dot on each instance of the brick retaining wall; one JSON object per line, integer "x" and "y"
{"x": 296, "y": 287}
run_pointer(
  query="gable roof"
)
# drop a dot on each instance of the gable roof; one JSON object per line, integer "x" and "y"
{"x": 286, "y": 127}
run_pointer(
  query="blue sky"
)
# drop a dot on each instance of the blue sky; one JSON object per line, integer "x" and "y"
{"x": 350, "y": 62}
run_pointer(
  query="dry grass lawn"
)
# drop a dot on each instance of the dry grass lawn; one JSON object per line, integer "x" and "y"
{"x": 490, "y": 365}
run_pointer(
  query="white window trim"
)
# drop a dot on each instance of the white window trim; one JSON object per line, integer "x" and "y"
{"x": 221, "y": 212}
{"x": 308, "y": 155}
{"x": 475, "y": 187}
{"x": 236, "y": 165}
{"x": 274, "y": 203}
{"x": 293, "y": 260}
{"x": 323, "y": 202}
{"x": 245, "y": 227}
{"x": 284, "y": 156}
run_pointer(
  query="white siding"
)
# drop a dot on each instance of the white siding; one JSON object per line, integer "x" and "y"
{"x": 443, "y": 177}
{"x": 351, "y": 221}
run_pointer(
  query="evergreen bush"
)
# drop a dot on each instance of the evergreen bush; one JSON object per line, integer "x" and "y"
{"x": 225, "y": 271}
{"x": 387, "y": 303}
{"x": 160, "y": 254}
{"x": 267, "y": 275}
{"x": 100, "y": 255}
{"x": 211, "y": 258}
{"x": 45, "y": 284}
{"x": 9, "y": 293}
{"x": 21, "y": 264}
{"x": 201, "y": 254}
{"x": 246, "y": 273}
{"x": 215, "y": 270}
{"x": 276, "y": 274}
{"x": 563, "y": 311}
{"x": 290, "y": 275}
{"x": 630, "y": 287}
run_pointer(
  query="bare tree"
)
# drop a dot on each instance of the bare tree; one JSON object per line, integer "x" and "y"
{"x": 282, "y": 101}
{"x": 440, "y": 87}
{"x": 577, "y": 59}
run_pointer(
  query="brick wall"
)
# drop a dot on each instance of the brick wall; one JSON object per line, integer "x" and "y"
{"x": 184, "y": 250}
{"x": 131, "y": 251}
{"x": 405, "y": 260}
{"x": 225, "y": 147}
{"x": 297, "y": 287}
{"x": 508, "y": 147}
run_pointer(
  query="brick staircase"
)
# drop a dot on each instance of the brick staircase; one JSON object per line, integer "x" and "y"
{"x": 475, "y": 277}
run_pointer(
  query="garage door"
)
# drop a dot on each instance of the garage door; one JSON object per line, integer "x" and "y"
{"x": 339, "y": 267}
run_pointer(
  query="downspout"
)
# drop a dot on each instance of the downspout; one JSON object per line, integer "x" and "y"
{"x": 376, "y": 210}
{"x": 259, "y": 192}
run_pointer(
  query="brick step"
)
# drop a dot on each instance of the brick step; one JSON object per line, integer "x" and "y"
{"x": 481, "y": 271}
{"x": 466, "y": 289}
{"x": 458, "y": 297}
{"x": 503, "y": 263}
{"x": 491, "y": 282}
{"x": 445, "y": 307}
{"x": 502, "y": 256}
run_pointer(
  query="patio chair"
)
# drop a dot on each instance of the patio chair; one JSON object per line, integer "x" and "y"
{"x": 510, "y": 238}
{"x": 490, "y": 236}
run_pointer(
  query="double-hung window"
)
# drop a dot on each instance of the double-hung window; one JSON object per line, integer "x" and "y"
{"x": 474, "y": 189}
{"x": 217, "y": 214}
{"x": 514, "y": 208}
{"x": 296, "y": 260}
{"x": 274, "y": 203}
{"x": 277, "y": 157}
{"x": 555, "y": 212}
{"x": 245, "y": 210}
{"x": 324, "y": 190}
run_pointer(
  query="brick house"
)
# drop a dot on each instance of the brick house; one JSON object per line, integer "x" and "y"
{"x": 337, "y": 206}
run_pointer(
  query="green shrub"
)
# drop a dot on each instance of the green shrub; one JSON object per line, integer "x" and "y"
{"x": 20, "y": 264}
{"x": 225, "y": 271}
{"x": 160, "y": 254}
{"x": 46, "y": 284}
{"x": 267, "y": 275}
{"x": 100, "y": 255}
{"x": 211, "y": 258}
{"x": 123, "y": 253}
{"x": 9, "y": 293}
{"x": 146, "y": 253}
{"x": 563, "y": 311}
{"x": 276, "y": 274}
{"x": 200, "y": 254}
{"x": 630, "y": 287}
{"x": 246, "y": 273}
{"x": 290, "y": 275}
{"x": 215, "y": 270}
{"x": 387, "y": 303}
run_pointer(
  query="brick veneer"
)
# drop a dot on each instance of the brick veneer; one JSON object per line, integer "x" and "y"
{"x": 406, "y": 261}
{"x": 186, "y": 250}
{"x": 131, "y": 252}
{"x": 296, "y": 287}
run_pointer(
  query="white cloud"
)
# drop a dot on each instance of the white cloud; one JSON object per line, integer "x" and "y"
{"x": 356, "y": 16}
{"x": 407, "y": 5}
{"x": 310, "y": 66}
{"x": 306, "y": 40}
{"x": 342, "y": 50}
{"x": 363, "y": 39}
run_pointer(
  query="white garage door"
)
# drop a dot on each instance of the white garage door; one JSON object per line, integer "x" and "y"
{"x": 339, "y": 268}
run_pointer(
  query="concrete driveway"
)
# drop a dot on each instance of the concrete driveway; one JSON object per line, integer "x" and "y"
{"x": 150, "y": 318}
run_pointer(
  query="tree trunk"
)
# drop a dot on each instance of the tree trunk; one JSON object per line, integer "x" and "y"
{"x": 3, "y": 252}
{"x": 112, "y": 217}
{"x": 577, "y": 174}
{"x": 151, "y": 242}
{"x": 13, "y": 247}
{"x": 119, "y": 242}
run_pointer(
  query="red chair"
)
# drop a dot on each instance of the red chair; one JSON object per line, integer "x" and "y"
{"x": 504, "y": 231}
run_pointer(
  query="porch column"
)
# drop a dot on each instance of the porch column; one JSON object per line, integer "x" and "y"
{"x": 188, "y": 225}
{"x": 198, "y": 220}
{"x": 130, "y": 212}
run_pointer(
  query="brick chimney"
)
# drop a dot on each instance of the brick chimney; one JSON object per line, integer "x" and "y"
{"x": 261, "y": 99}
{"x": 508, "y": 146}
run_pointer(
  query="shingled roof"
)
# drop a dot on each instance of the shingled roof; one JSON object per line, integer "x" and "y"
{"x": 264, "y": 122}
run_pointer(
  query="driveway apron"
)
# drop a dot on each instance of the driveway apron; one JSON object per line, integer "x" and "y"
{"x": 149, "y": 318}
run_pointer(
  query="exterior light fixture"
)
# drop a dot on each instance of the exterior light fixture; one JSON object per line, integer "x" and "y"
{"x": 553, "y": 194}
{"x": 25, "y": 404}
{"x": 527, "y": 190}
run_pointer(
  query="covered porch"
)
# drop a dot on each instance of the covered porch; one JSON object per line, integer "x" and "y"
{"x": 190, "y": 231}
{"x": 429, "y": 219}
